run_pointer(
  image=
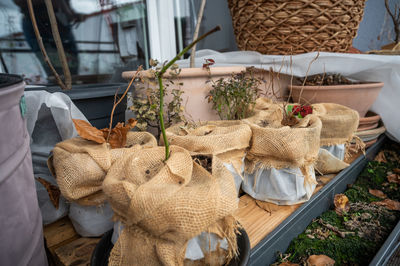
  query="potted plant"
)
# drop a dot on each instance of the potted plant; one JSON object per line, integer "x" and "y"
{"x": 163, "y": 198}
{"x": 80, "y": 165}
{"x": 334, "y": 88}
{"x": 279, "y": 164}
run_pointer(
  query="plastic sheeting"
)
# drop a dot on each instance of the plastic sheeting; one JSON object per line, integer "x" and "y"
{"x": 205, "y": 242}
{"x": 49, "y": 121}
{"x": 91, "y": 221}
{"x": 336, "y": 150}
{"x": 283, "y": 187}
{"x": 363, "y": 67}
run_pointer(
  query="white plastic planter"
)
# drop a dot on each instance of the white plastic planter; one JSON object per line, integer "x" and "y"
{"x": 283, "y": 187}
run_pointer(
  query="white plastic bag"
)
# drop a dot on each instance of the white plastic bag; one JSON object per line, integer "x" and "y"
{"x": 49, "y": 121}
{"x": 336, "y": 150}
{"x": 205, "y": 242}
{"x": 91, "y": 221}
{"x": 283, "y": 187}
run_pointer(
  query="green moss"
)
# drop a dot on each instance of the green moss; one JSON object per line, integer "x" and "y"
{"x": 349, "y": 250}
{"x": 357, "y": 194}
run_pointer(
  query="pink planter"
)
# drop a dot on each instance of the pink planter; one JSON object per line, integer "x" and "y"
{"x": 359, "y": 97}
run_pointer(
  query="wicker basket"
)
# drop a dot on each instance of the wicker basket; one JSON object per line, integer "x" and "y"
{"x": 298, "y": 26}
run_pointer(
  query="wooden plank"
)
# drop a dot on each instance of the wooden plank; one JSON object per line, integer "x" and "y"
{"x": 59, "y": 232}
{"x": 260, "y": 218}
{"x": 77, "y": 252}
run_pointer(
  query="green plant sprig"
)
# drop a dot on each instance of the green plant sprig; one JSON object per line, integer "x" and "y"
{"x": 159, "y": 76}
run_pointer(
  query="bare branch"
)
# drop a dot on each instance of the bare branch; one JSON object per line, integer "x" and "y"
{"x": 57, "y": 40}
{"x": 41, "y": 46}
{"x": 196, "y": 31}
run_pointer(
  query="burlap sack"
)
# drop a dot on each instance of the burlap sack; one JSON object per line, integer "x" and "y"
{"x": 164, "y": 204}
{"x": 80, "y": 165}
{"x": 339, "y": 123}
{"x": 328, "y": 163}
{"x": 226, "y": 139}
{"x": 274, "y": 145}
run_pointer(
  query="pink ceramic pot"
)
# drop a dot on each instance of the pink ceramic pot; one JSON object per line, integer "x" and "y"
{"x": 359, "y": 97}
{"x": 196, "y": 88}
{"x": 370, "y": 121}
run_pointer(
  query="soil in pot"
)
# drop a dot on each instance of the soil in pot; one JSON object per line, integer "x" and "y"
{"x": 352, "y": 235}
{"x": 204, "y": 161}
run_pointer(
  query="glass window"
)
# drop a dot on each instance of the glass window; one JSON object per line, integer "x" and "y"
{"x": 101, "y": 38}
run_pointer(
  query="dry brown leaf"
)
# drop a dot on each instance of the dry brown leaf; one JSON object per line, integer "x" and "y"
{"x": 52, "y": 190}
{"x": 388, "y": 204}
{"x": 394, "y": 178}
{"x": 117, "y": 137}
{"x": 377, "y": 193}
{"x": 341, "y": 204}
{"x": 86, "y": 131}
{"x": 396, "y": 170}
{"x": 320, "y": 260}
{"x": 380, "y": 157}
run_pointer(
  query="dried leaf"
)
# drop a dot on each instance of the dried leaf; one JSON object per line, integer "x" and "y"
{"x": 394, "y": 178}
{"x": 117, "y": 137}
{"x": 341, "y": 204}
{"x": 288, "y": 263}
{"x": 380, "y": 157}
{"x": 52, "y": 190}
{"x": 396, "y": 170}
{"x": 320, "y": 260}
{"x": 388, "y": 204}
{"x": 377, "y": 193}
{"x": 86, "y": 131}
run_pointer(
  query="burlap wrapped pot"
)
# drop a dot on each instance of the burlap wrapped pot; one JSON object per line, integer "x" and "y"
{"x": 226, "y": 139}
{"x": 162, "y": 205}
{"x": 80, "y": 165}
{"x": 339, "y": 124}
{"x": 279, "y": 164}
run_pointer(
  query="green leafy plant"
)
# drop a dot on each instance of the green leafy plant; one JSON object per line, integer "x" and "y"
{"x": 146, "y": 105}
{"x": 234, "y": 98}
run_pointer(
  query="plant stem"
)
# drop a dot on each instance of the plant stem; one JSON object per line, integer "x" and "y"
{"x": 161, "y": 87}
{"x": 59, "y": 45}
{"x": 196, "y": 31}
{"x": 41, "y": 46}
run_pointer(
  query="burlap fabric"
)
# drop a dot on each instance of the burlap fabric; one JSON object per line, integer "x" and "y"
{"x": 164, "y": 204}
{"x": 339, "y": 123}
{"x": 226, "y": 139}
{"x": 80, "y": 165}
{"x": 274, "y": 145}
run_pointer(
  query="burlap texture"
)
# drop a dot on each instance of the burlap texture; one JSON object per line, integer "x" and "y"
{"x": 339, "y": 123}
{"x": 226, "y": 139}
{"x": 274, "y": 145}
{"x": 81, "y": 165}
{"x": 164, "y": 204}
{"x": 328, "y": 164}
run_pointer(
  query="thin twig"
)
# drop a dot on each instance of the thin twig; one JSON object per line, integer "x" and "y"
{"x": 41, "y": 46}
{"x": 59, "y": 45}
{"x": 159, "y": 77}
{"x": 196, "y": 31}
{"x": 305, "y": 78}
{"x": 396, "y": 20}
{"x": 120, "y": 100}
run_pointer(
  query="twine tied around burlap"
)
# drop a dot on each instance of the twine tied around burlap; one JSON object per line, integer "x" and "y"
{"x": 80, "y": 165}
{"x": 164, "y": 204}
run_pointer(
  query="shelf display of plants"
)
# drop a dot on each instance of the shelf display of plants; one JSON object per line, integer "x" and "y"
{"x": 362, "y": 218}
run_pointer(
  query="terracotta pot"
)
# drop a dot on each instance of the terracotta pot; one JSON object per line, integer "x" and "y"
{"x": 359, "y": 97}
{"x": 196, "y": 88}
{"x": 370, "y": 121}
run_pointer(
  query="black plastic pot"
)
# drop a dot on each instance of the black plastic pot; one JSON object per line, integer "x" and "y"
{"x": 94, "y": 100}
{"x": 102, "y": 251}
